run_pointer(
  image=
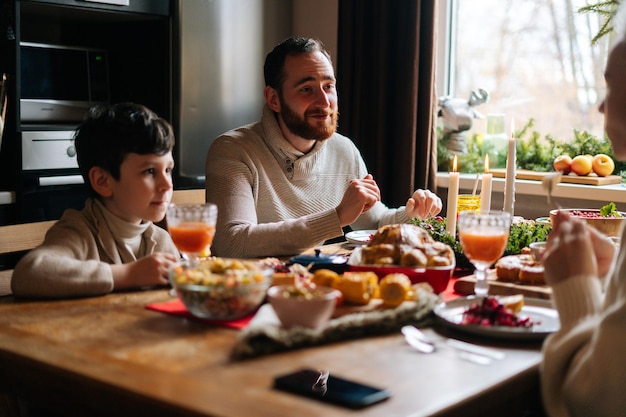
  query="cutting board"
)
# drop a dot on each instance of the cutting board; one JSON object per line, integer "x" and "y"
{"x": 465, "y": 285}
{"x": 591, "y": 179}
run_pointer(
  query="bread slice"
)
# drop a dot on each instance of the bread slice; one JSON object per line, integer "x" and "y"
{"x": 512, "y": 302}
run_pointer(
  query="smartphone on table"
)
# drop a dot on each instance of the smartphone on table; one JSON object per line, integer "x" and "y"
{"x": 322, "y": 386}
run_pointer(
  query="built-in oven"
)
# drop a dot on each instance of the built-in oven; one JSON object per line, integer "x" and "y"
{"x": 50, "y": 181}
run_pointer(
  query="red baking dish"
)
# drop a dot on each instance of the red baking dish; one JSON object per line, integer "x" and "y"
{"x": 438, "y": 277}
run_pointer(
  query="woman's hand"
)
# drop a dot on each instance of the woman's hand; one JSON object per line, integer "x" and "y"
{"x": 570, "y": 250}
{"x": 604, "y": 250}
{"x": 423, "y": 204}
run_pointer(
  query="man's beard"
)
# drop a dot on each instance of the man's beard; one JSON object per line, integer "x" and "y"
{"x": 300, "y": 127}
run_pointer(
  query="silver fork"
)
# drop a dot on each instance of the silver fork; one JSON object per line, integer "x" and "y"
{"x": 467, "y": 351}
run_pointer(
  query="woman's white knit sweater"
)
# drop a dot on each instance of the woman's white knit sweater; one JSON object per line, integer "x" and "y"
{"x": 583, "y": 372}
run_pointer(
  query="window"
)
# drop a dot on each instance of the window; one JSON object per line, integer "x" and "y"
{"x": 534, "y": 57}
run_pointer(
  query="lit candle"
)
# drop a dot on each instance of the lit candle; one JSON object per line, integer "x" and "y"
{"x": 509, "y": 184}
{"x": 453, "y": 195}
{"x": 485, "y": 189}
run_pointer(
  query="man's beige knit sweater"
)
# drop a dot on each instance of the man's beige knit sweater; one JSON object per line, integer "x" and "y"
{"x": 274, "y": 200}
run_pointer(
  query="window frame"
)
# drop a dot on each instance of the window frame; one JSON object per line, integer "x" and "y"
{"x": 446, "y": 47}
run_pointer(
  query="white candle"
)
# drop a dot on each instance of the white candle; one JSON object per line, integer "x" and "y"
{"x": 453, "y": 196}
{"x": 485, "y": 188}
{"x": 509, "y": 185}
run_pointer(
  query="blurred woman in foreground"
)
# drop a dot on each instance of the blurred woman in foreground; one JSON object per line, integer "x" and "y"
{"x": 584, "y": 367}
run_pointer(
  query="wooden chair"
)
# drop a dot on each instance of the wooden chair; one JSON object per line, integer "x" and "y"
{"x": 195, "y": 196}
{"x": 15, "y": 241}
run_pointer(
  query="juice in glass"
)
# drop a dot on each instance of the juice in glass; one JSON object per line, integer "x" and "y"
{"x": 483, "y": 236}
{"x": 192, "y": 228}
{"x": 193, "y": 237}
{"x": 483, "y": 245}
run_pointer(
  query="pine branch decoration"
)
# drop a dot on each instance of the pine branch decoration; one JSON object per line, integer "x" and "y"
{"x": 607, "y": 9}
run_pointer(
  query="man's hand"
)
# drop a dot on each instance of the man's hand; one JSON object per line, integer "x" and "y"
{"x": 360, "y": 196}
{"x": 423, "y": 204}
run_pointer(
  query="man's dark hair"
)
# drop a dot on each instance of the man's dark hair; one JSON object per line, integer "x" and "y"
{"x": 109, "y": 132}
{"x": 273, "y": 69}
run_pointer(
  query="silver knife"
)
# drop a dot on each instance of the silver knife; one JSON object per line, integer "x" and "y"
{"x": 479, "y": 350}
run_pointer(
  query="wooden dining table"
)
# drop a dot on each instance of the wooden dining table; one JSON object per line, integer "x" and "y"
{"x": 111, "y": 356}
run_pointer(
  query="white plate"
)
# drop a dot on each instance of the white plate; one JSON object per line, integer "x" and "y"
{"x": 539, "y": 311}
{"x": 359, "y": 237}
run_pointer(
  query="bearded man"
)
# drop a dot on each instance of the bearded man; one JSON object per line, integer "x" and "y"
{"x": 290, "y": 181}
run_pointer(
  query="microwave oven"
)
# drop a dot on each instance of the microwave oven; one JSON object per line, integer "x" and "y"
{"x": 59, "y": 83}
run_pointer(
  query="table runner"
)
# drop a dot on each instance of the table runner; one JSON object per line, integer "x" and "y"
{"x": 177, "y": 308}
{"x": 264, "y": 334}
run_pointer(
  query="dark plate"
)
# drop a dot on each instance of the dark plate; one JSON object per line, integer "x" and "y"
{"x": 320, "y": 260}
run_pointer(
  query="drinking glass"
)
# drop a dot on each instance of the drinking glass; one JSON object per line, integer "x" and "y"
{"x": 483, "y": 236}
{"x": 468, "y": 202}
{"x": 192, "y": 228}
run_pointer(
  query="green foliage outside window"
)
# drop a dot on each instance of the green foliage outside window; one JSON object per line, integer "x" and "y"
{"x": 534, "y": 151}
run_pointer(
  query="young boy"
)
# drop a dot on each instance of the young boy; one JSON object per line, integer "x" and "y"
{"x": 125, "y": 157}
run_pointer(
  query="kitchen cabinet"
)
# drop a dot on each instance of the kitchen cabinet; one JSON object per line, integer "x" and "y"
{"x": 136, "y": 35}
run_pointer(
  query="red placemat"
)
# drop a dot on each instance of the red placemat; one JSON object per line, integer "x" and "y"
{"x": 177, "y": 308}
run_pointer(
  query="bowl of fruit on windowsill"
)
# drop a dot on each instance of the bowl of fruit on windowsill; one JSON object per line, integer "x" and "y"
{"x": 607, "y": 220}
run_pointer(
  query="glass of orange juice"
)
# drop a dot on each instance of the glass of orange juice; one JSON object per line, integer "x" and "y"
{"x": 192, "y": 228}
{"x": 483, "y": 236}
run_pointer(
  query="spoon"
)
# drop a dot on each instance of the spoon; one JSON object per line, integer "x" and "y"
{"x": 549, "y": 182}
{"x": 417, "y": 339}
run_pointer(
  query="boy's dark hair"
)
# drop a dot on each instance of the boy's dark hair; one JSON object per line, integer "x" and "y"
{"x": 273, "y": 70}
{"x": 109, "y": 132}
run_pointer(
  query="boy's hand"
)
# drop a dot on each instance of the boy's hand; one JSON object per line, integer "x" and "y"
{"x": 147, "y": 271}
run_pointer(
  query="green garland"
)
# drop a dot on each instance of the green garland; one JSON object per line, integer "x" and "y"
{"x": 522, "y": 233}
{"x": 533, "y": 152}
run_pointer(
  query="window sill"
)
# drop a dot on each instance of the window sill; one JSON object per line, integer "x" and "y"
{"x": 612, "y": 192}
{"x": 530, "y": 198}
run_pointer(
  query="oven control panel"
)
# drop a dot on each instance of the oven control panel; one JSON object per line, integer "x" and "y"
{"x": 48, "y": 150}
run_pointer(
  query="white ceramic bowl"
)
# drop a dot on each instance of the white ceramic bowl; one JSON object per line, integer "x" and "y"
{"x": 610, "y": 226}
{"x": 537, "y": 250}
{"x": 294, "y": 309}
